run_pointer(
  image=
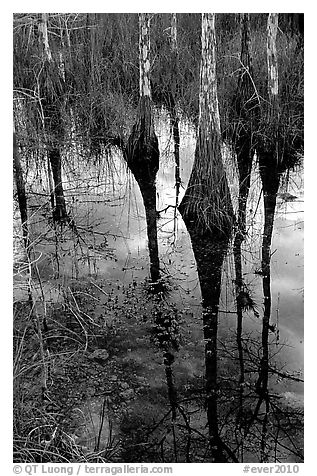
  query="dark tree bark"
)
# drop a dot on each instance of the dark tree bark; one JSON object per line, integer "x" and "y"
{"x": 270, "y": 181}
{"x": 55, "y": 159}
{"x": 166, "y": 332}
{"x": 142, "y": 150}
{"x": 209, "y": 251}
{"x": 20, "y": 185}
{"x": 239, "y": 287}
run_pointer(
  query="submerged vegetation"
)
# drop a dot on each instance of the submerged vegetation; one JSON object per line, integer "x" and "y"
{"x": 110, "y": 364}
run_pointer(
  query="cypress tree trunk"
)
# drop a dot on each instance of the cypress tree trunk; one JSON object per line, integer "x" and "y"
{"x": 207, "y": 200}
{"x": 207, "y": 212}
{"x": 142, "y": 151}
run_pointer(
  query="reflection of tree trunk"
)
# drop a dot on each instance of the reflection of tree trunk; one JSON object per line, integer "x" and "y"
{"x": 172, "y": 394}
{"x": 149, "y": 200}
{"x": 54, "y": 155}
{"x": 50, "y": 184}
{"x": 142, "y": 151}
{"x": 264, "y": 453}
{"x": 239, "y": 285}
{"x": 210, "y": 250}
{"x": 19, "y": 180}
{"x": 269, "y": 211}
{"x": 142, "y": 155}
{"x": 176, "y": 137}
{"x": 166, "y": 334}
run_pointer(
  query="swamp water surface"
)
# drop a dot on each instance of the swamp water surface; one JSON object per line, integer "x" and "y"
{"x": 120, "y": 381}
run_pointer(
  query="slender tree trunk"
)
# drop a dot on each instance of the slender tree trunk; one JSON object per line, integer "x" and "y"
{"x": 239, "y": 287}
{"x": 22, "y": 200}
{"x": 149, "y": 200}
{"x": 50, "y": 184}
{"x": 56, "y": 165}
{"x": 142, "y": 151}
{"x": 272, "y": 66}
{"x": 166, "y": 336}
{"x": 44, "y": 31}
{"x": 172, "y": 395}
